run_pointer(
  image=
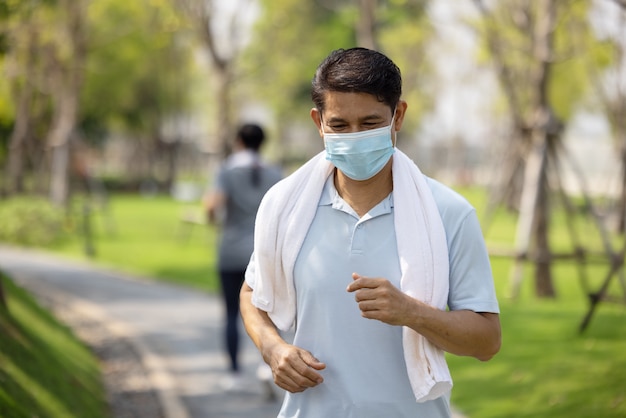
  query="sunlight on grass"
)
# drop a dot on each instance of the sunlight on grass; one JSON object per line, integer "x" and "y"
{"x": 40, "y": 394}
{"x": 44, "y": 370}
{"x": 146, "y": 236}
{"x": 545, "y": 367}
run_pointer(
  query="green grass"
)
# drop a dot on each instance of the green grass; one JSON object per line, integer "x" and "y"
{"x": 146, "y": 236}
{"x": 545, "y": 367}
{"x": 44, "y": 370}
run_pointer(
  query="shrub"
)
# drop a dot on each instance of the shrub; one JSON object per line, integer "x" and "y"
{"x": 30, "y": 221}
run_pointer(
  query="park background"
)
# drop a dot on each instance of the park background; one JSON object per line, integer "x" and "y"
{"x": 114, "y": 116}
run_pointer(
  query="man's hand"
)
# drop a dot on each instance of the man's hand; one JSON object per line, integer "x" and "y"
{"x": 379, "y": 299}
{"x": 294, "y": 369}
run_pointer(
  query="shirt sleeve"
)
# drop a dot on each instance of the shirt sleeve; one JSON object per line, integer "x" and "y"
{"x": 471, "y": 279}
{"x": 250, "y": 277}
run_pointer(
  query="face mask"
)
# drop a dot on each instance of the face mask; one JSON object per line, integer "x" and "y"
{"x": 360, "y": 155}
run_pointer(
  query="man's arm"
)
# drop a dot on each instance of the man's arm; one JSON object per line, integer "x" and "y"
{"x": 463, "y": 332}
{"x": 294, "y": 369}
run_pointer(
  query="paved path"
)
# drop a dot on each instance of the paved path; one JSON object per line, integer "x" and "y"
{"x": 177, "y": 332}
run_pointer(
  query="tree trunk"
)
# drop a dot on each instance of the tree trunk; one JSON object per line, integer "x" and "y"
{"x": 201, "y": 12}
{"x": 224, "y": 108}
{"x": 620, "y": 129}
{"x": 68, "y": 82}
{"x": 59, "y": 142}
{"x": 528, "y": 213}
{"x": 621, "y": 221}
{"x": 542, "y": 126}
{"x": 3, "y": 299}
{"x": 15, "y": 163}
{"x": 169, "y": 150}
{"x": 543, "y": 272}
{"x": 366, "y": 25}
{"x": 23, "y": 119}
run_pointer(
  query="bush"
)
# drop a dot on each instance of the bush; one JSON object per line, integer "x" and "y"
{"x": 30, "y": 221}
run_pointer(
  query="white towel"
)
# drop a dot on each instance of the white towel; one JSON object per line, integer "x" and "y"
{"x": 283, "y": 221}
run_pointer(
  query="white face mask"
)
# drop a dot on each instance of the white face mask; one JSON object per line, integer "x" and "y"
{"x": 360, "y": 155}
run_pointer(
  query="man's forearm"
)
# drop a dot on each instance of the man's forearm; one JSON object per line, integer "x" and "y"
{"x": 464, "y": 333}
{"x": 258, "y": 324}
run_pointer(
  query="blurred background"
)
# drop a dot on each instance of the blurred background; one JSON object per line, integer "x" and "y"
{"x": 147, "y": 94}
{"x": 115, "y": 115}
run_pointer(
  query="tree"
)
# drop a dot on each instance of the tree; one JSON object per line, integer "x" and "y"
{"x": 82, "y": 70}
{"x": 366, "y": 26}
{"x": 139, "y": 78}
{"x": 20, "y": 132}
{"x": 612, "y": 92}
{"x": 24, "y": 31}
{"x": 534, "y": 48}
{"x": 223, "y": 49}
{"x": 67, "y": 59}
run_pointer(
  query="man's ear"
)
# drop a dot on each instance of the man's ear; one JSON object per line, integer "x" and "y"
{"x": 400, "y": 112}
{"x": 316, "y": 115}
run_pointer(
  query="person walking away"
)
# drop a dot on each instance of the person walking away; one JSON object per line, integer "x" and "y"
{"x": 233, "y": 201}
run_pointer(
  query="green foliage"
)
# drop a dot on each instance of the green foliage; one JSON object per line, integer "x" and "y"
{"x": 44, "y": 370}
{"x": 405, "y": 40}
{"x": 308, "y": 31}
{"x": 31, "y": 221}
{"x": 284, "y": 79}
{"x": 138, "y": 69}
{"x": 578, "y": 56}
{"x": 134, "y": 78}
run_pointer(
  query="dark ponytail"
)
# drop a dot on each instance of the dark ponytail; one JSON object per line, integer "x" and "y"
{"x": 252, "y": 136}
{"x": 255, "y": 175}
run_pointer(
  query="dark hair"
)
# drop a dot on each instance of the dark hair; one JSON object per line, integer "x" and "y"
{"x": 251, "y": 136}
{"x": 357, "y": 70}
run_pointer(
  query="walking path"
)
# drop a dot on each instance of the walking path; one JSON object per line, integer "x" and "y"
{"x": 176, "y": 331}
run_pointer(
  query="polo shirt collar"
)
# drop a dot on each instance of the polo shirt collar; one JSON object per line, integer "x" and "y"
{"x": 330, "y": 197}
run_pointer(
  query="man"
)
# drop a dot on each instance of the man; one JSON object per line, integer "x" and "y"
{"x": 379, "y": 269}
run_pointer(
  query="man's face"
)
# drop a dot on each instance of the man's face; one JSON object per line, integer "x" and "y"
{"x": 355, "y": 112}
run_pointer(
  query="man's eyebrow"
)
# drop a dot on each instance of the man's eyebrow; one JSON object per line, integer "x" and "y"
{"x": 335, "y": 120}
{"x": 363, "y": 119}
{"x": 374, "y": 116}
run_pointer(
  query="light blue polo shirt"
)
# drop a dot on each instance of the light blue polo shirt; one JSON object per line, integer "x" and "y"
{"x": 365, "y": 375}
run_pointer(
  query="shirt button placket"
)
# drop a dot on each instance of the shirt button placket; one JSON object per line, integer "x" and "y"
{"x": 358, "y": 238}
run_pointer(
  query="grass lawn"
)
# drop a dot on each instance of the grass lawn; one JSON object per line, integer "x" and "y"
{"x": 145, "y": 236}
{"x": 44, "y": 370}
{"x": 544, "y": 369}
